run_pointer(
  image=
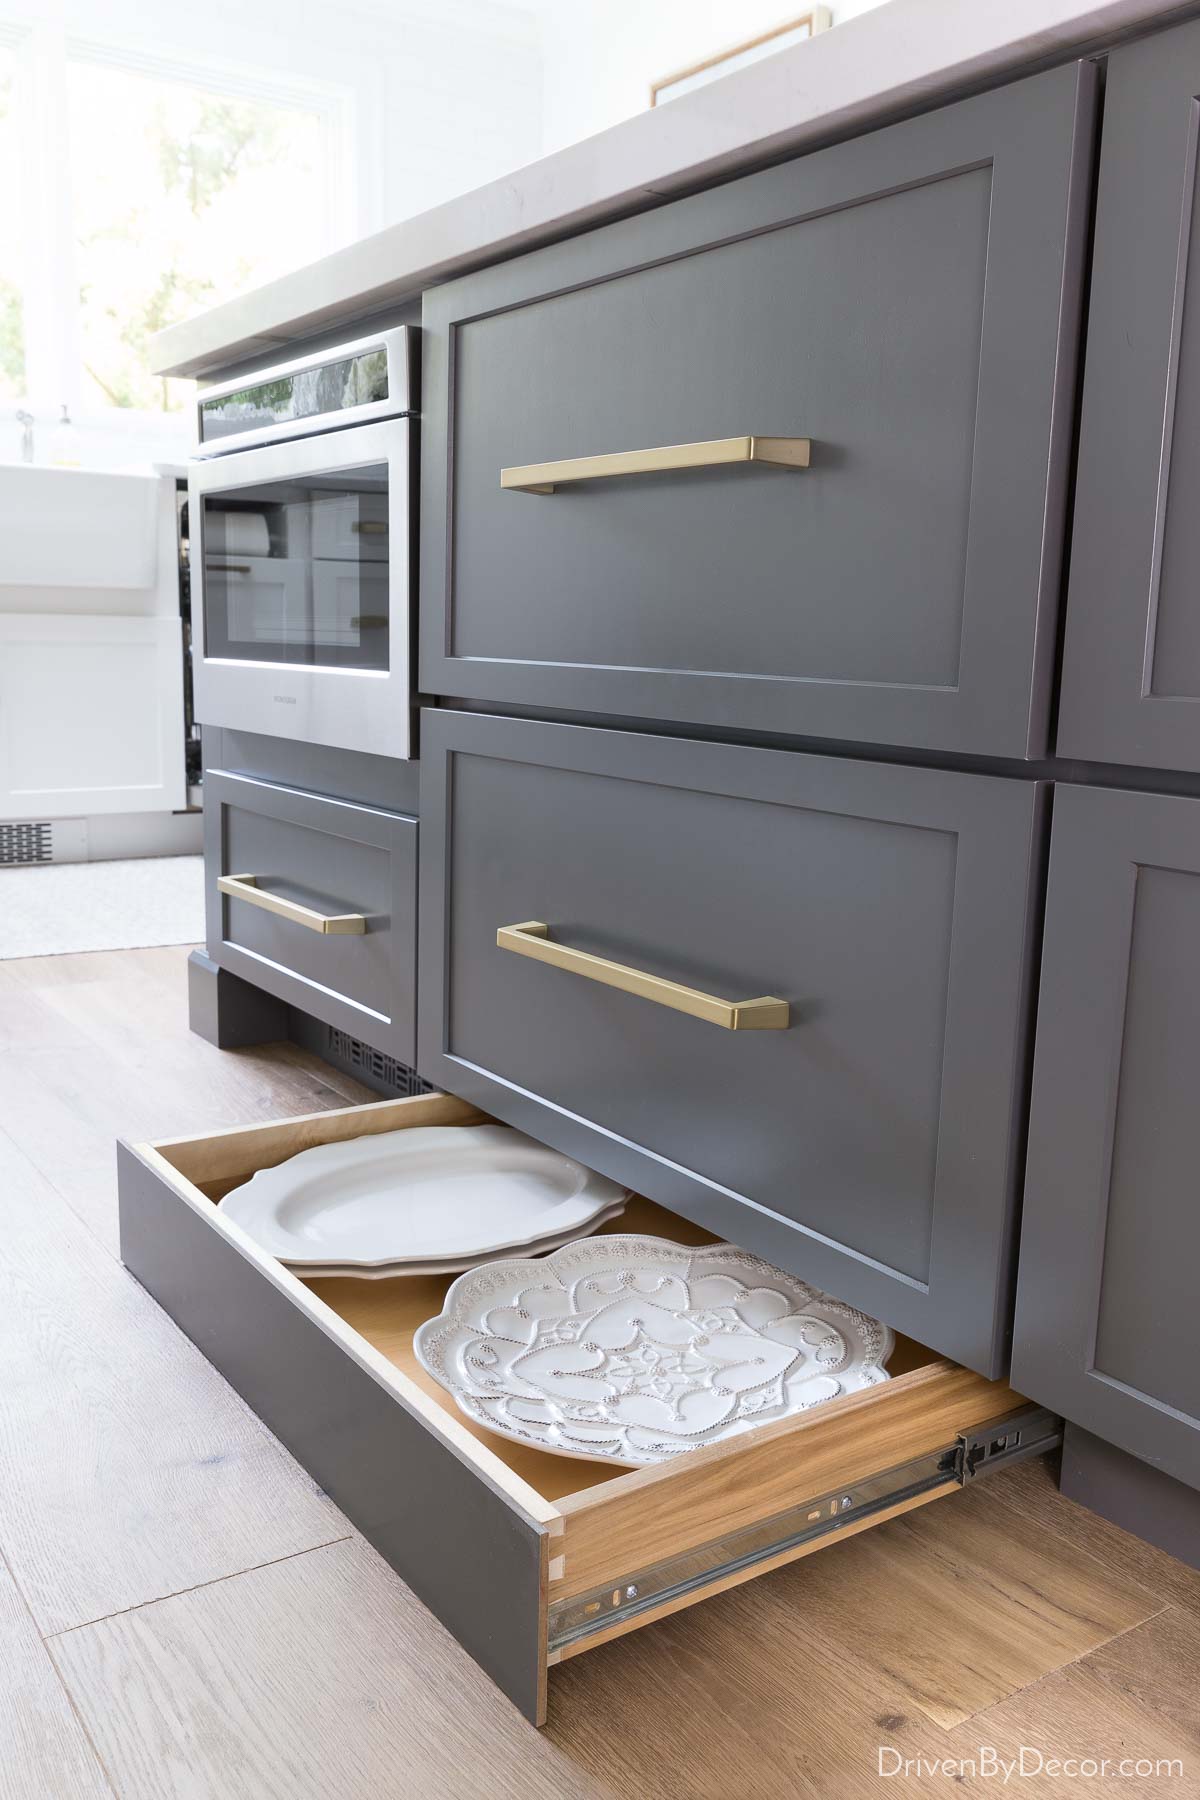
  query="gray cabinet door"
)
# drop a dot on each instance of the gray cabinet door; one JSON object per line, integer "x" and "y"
{"x": 908, "y": 302}
{"x": 872, "y": 1145}
{"x": 1131, "y": 668}
{"x": 330, "y": 858}
{"x": 1107, "y": 1328}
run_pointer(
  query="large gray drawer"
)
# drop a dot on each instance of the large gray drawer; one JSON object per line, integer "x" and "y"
{"x": 872, "y": 1146}
{"x": 908, "y": 302}
{"x": 321, "y": 860}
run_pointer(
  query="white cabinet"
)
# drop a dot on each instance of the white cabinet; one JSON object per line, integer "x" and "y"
{"x": 91, "y": 646}
{"x": 91, "y": 715}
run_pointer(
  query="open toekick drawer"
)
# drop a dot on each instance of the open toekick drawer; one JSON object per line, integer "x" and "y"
{"x": 526, "y": 1557}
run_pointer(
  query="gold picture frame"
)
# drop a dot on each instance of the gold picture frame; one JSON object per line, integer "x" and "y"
{"x": 724, "y": 62}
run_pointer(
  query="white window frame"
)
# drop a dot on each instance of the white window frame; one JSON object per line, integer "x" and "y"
{"x": 48, "y": 261}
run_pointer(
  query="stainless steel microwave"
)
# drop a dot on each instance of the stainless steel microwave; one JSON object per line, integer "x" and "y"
{"x": 301, "y": 505}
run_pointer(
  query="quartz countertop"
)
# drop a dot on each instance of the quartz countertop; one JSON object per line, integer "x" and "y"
{"x": 882, "y": 65}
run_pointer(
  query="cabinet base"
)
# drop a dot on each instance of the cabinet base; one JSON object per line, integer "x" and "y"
{"x": 227, "y": 1011}
{"x": 1132, "y": 1494}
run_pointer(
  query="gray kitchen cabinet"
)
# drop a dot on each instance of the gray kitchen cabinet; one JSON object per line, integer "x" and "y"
{"x": 1131, "y": 669}
{"x": 1106, "y": 1323}
{"x": 864, "y": 928}
{"x": 313, "y": 900}
{"x": 906, "y": 304}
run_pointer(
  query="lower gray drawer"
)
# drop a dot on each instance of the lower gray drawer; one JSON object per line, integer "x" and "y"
{"x": 870, "y": 1141}
{"x": 314, "y": 900}
{"x": 527, "y": 1557}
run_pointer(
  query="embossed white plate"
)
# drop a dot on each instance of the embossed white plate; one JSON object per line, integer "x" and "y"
{"x": 431, "y": 1194}
{"x": 390, "y": 1271}
{"x": 632, "y": 1350}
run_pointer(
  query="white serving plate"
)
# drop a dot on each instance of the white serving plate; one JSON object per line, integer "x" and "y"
{"x": 431, "y": 1194}
{"x": 390, "y": 1271}
{"x": 632, "y": 1350}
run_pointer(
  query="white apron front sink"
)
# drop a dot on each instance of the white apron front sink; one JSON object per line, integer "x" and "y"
{"x": 77, "y": 528}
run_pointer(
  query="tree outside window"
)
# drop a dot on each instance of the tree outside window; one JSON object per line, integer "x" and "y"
{"x": 191, "y": 198}
{"x": 131, "y": 199}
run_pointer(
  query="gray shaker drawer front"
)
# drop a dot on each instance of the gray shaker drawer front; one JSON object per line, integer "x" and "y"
{"x": 314, "y": 900}
{"x": 1131, "y": 668}
{"x": 1107, "y": 1326}
{"x": 863, "y": 927}
{"x": 906, "y": 303}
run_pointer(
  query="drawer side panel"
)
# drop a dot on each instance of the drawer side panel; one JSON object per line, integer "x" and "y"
{"x": 473, "y": 1559}
{"x": 628, "y": 1525}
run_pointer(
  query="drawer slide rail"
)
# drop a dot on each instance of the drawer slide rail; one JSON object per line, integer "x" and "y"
{"x": 974, "y": 1454}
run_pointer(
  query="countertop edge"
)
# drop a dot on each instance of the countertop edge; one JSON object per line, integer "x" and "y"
{"x": 818, "y": 91}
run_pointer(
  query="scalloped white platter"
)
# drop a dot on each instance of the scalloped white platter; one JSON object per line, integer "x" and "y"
{"x": 439, "y": 1194}
{"x": 632, "y": 1350}
{"x": 390, "y": 1271}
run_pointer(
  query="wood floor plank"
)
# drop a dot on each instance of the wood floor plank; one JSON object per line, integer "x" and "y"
{"x": 1031, "y": 1489}
{"x": 28, "y": 1021}
{"x": 80, "y": 966}
{"x": 91, "y": 1194}
{"x": 958, "y": 1614}
{"x": 1155, "y": 1668}
{"x": 128, "y": 1468}
{"x": 44, "y": 1750}
{"x": 66, "y": 1107}
{"x": 1133, "y": 1701}
{"x": 318, "y": 1677}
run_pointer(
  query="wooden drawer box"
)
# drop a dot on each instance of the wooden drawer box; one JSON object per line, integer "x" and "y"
{"x": 527, "y": 1558}
{"x": 314, "y": 900}
{"x": 907, "y": 304}
{"x": 872, "y": 1143}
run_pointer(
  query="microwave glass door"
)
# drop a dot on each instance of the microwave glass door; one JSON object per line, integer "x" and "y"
{"x": 296, "y": 570}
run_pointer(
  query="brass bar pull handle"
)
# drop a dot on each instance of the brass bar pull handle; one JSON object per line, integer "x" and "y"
{"x": 533, "y": 939}
{"x": 245, "y": 887}
{"x": 543, "y": 478}
{"x": 370, "y": 527}
{"x": 227, "y": 568}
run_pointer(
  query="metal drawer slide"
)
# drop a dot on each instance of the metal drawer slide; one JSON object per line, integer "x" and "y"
{"x": 1031, "y": 1431}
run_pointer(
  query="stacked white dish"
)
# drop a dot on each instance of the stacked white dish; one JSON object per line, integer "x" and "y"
{"x": 632, "y": 1350}
{"x": 430, "y": 1200}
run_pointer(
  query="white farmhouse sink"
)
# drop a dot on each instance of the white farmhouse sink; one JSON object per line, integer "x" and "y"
{"x": 77, "y": 528}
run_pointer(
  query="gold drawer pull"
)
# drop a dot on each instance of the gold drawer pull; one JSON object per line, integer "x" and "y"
{"x": 245, "y": 887}
{"x": 226, "y": 568}
{"x": 370, "y": 527}
{"x": 533, "y": 939}
{"x": 543, "y": 478}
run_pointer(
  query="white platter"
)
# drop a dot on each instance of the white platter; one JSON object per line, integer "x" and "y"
{"x": 632, "y": 1350}
{"x": 431, "y": 1194}
{"x": 390, "y": 1271}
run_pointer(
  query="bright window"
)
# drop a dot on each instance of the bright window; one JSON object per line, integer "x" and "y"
{"x": 136, "y": 193}
{"x": 181, "y": 198}
{"x": 12, "y": 334}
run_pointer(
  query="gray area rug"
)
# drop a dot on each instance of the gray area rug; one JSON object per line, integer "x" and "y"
{"x": 53, "y": 909}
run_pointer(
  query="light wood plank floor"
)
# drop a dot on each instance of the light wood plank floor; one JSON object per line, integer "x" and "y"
{"x": 183, "y": 1614}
